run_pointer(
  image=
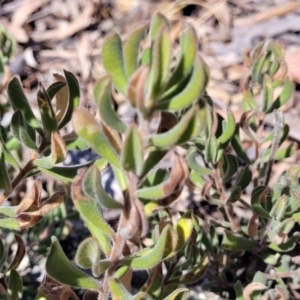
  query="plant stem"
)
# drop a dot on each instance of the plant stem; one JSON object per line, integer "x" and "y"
{"x": 221, "y": 191}
{"x": 22, "y": 173}
{"x": 275, "y": 144}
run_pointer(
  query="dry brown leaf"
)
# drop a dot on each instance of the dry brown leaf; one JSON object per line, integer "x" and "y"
{"x": 136, "y": 86}
{"x": 62, "y": 97}
{"x": 58, "y": 148}
{"x": 55, "y": 290}
{"x": 113, "y": 137}
{"x": 33, "y": 199}
{"x": 253, "y": 226}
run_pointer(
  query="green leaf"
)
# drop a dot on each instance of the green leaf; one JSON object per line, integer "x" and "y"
{"x": 229, "y": 128}
{"x": 88, "y": 257}
{"x": 285, "y": 226}
{"x": 194, "y": 165}
{"x": 230, "y": 166}
{"x": 244, "y": 178}
{"x": 168, "y": 187}
{"x": 10, "y": 223}
{"x": 238, "y": 287}
{"x": 287, "y": 246}
{"x": 161, "y": 54}
{"x": 113, "y": 61}
{"x": 197, "y": 179}
{"x": 90, "y": 214}
{"x": 142, "y": 296}
{"x": 90, "y": 211}
{"x": 48, "y": 116}
{"x": 267, "y": 93}
{"x": 146, "y": 56}
{"x": 54, "y": 88}
{"x": 236, "y": 242}
{"x": 9, "y": 211}
{"x": 8, "y": 156}
{"x": 92, "y": 186}
{"x": 195, "y": 273}
{"x": 257, "y": 65}
{"x": 278, "y": 209}
{"x": 187, "y": 129}
{"x": 15, "y": 286}
{"x": 211, "y": 150}
{"x": 257, "y": 197}
{"x": 184, "y": 229}
{"x": 131, "y": 49}
{"x": 188, "y": 50}
{"x": 5, "y": 183}
{"x": 65, "y": 173}
{"x": 153, "y": 257}
{"x": 153, "y": 285}
{"x": 181, "y": 292}
{"x": 191, "y": 92}
{"x": 238, "y": 147}
{"x": 77, "y": 143}
{"x": 60, "y": 268}
{"x": 73, "y": 100}
{"x": 157, "y": 22}
{"x": 235, "y": 194}
{"x": 86, "y": 127}
{"x": 132, "y": 151}
{"x": 284, "y": 96}
{"x": 154, "y": 157}
{"x": 88, "y": 253}
{"x": 118, "y": 291}
{"x": 103, "y": 98}
{"x": 22, "y": 131}
{"x": 19, "y": 101}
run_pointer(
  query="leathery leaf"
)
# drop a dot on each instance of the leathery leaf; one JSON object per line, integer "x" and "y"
{"x": 73, "y": 99}
{"x": 132, "y": 152}
{"x": 103, "y": 98}
{"x": 229, "y": 128}
{"x": 60, "y": 268}
{"x": 86, "y": 127}
{"x": 113, "y": 61}
{"x": 92, "y": 186}
{"x": 22, "y": 131}
{"x": 191, "y": 92}
{"x": 188, "y": 50}
{"x": 19, "y": 101}
{"x": 187, "y": 128}
{"x": 257, "y": 198}
{"x": 153, "y": 257}
{"x": 131, "y": 49}
{"x": 184, "y": 229}
{"x": 161, "y": 54}
{"x": 236, "y": 242}
{"x": 5, "y": 183}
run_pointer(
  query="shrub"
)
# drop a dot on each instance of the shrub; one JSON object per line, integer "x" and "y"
{"x": 176, "y": 138}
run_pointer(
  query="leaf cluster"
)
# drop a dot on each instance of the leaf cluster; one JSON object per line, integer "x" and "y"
{"x": 175, "y": 139}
